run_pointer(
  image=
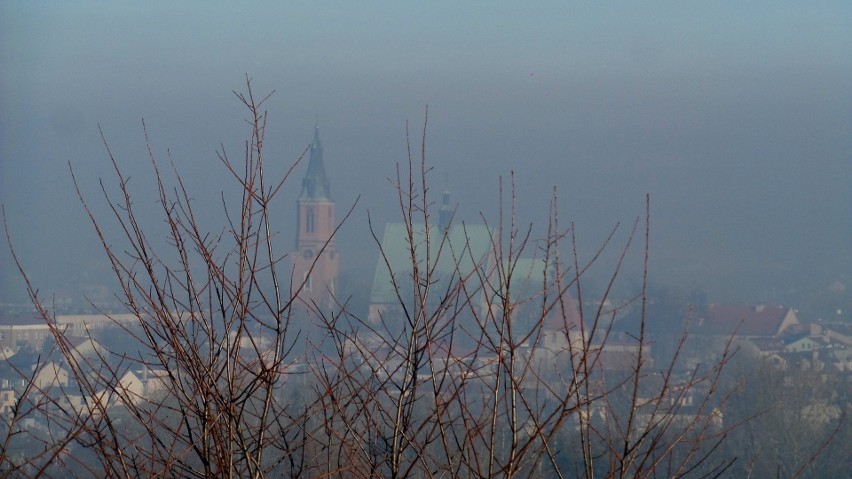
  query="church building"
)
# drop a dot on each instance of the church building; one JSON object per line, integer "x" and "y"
{"x": 315, "y": 260}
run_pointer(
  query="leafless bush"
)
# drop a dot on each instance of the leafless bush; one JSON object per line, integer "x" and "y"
{"x": 472, "y": 373}
{"x": 488, "y": 362}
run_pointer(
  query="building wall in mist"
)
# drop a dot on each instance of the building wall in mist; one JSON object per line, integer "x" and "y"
{"x": 316, "y": 260}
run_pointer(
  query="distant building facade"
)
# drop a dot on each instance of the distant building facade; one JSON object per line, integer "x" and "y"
{"x": 30, "y": 331}
{"x": 316, "y": 260}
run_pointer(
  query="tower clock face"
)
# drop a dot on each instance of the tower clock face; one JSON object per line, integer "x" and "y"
{"x": 307, "y": 254}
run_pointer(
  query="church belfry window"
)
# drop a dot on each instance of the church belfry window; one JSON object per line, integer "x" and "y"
{"x": 310, "y": 221}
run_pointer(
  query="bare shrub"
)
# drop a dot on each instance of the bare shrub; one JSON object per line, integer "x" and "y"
{"x": 488, "y": 361}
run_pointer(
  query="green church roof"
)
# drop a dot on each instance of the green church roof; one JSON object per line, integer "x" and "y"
{"x": 465, "y": 245}
{"x": 468, "y": 246}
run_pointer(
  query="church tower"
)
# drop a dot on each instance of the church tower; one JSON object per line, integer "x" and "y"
{"x": 315, "y": 261}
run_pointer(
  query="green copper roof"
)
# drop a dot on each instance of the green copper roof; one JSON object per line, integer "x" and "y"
{"x": 469, "y": 246}
{"x": 315, "y": 185}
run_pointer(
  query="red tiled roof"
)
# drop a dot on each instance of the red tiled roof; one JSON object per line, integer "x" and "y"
{"x": 560, "y": 320}
{"x": 744, "y": 320}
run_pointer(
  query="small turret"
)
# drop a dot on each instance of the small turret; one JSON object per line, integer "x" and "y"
{"x": 445, "y": 214}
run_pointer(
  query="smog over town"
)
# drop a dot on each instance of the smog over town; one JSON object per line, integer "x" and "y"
{"x": 697, "y": 155}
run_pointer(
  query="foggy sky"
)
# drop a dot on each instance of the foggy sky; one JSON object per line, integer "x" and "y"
{"x": 734, "y": 117}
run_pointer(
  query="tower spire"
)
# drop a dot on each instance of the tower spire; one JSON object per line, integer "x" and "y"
{"x": 315, "y": 185}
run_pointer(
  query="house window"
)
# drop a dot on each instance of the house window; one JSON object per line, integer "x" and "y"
{"x": 310, "y": 221}
{"x": 308, "y": 282}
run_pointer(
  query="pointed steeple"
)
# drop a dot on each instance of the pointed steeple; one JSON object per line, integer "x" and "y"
{"x": 315, "y": 185}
